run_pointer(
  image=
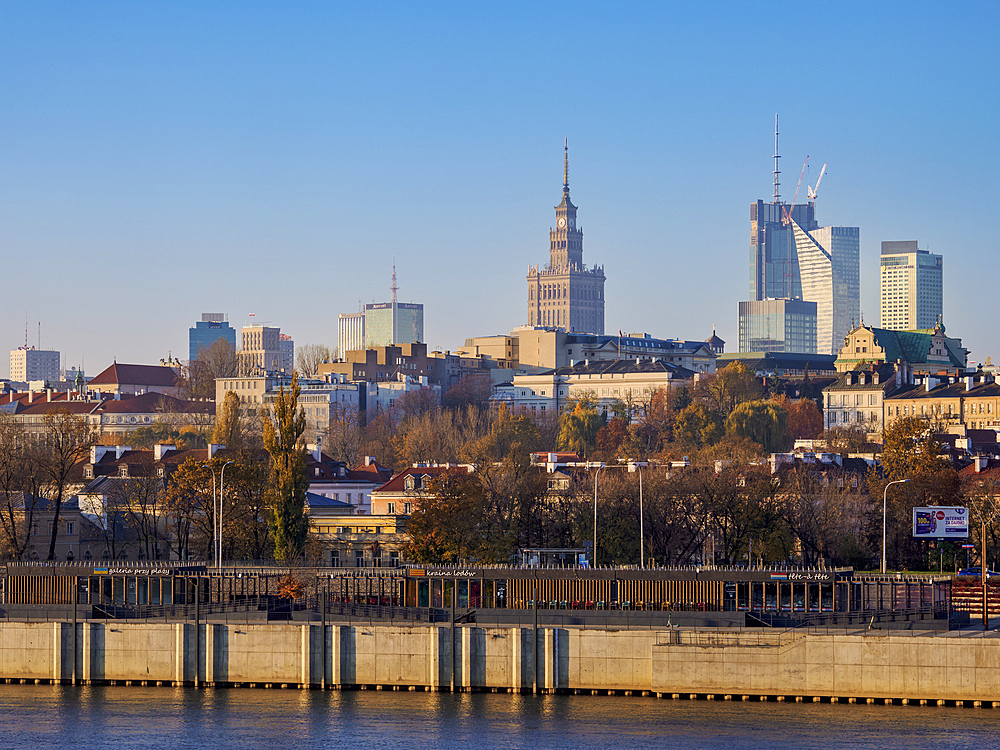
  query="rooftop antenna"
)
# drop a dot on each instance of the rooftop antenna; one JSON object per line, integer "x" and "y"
{"x": 777, "y": 194}
{"x": 566, "y": 166}
{"x": 25, "y": 329}
{"x": 394, "y": 288}
{"x": 39, "y": 334}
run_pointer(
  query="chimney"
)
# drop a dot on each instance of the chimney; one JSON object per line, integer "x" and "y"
{"x": 369, "y": 460}
{"x": 120, "y": 450}
{"x": 315, "y": 450}
{"x": 48, "y": 394}
{"x": 969, "y": 382}
{"x": 980, "y": 462}
{"x": 929, "y": 383}
{"x": 160, "y": 449}
{"x": 212, "y": 448}
{"x": 97, "y": 452}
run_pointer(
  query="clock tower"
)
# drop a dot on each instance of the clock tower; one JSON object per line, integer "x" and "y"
{"x": 566, "y": 294}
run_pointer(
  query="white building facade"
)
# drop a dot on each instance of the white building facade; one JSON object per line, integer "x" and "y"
{"x": 27, "y": 364}
{"x": 910, "y": 287}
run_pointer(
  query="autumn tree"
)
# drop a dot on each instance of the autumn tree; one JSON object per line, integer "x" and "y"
{"x": 763, "y": 422}
{"x": 288, "y": 479}
{"x": 730, "y": 387}
{"x": 197, "y": 379}
{"x": 68, "y": 438}
{"x": 579, "y": 424}
{"x": 21, "y": 478}
{"x": 471, "y": 390}
{"x": 804, "y": 420}
{"x": 308, "y": 358}
{"x": 698, "y": 426}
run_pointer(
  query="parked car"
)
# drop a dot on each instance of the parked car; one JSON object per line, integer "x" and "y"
{"x": 977, "y": 572}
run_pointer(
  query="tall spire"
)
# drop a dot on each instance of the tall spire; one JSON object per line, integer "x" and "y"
{"x": 566, "y": 166}
{"x": 394, "y": 288}
{"x": 777, "y": 195}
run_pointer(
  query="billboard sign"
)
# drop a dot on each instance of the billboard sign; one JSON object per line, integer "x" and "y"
{"x": 945, "y": 522}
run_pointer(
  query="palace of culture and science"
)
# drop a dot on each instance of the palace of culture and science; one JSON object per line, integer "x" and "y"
{"x": 566, "y": 294}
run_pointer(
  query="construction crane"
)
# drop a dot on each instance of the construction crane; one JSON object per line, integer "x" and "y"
{"x": 810, "y": 191}
{"x": 788, "y": 215}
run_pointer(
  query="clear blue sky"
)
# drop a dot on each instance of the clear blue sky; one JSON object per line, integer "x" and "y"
{"x": 160, "y": 160}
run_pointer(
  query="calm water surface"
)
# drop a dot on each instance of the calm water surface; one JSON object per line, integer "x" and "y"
{"x": 43, "y": 716}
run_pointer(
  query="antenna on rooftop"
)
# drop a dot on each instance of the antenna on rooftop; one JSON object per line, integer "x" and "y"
{"x": 394, "y": 288}
{"x": 777, "y": 194}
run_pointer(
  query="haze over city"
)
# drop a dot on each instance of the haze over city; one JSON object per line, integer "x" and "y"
{"x": 159, "y": 162}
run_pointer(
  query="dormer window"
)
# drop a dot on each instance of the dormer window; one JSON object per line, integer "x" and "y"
{"x": 123, "y": 471}
{"x": 411, "y": 482}
{"x": 88, "y": 472}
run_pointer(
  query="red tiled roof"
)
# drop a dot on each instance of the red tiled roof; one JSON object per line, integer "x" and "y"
{"x": 123, "y": 374}
{"x": 149, "y": 403}
{"x": 398, "y": 482}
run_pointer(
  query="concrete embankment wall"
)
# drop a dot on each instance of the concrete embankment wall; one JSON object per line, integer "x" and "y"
{"x": 672, "y": 663}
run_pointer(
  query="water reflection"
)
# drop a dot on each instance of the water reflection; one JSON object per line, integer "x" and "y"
{"x": 64, "y": 717}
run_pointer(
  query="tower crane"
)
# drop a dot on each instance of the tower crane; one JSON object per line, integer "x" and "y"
{"x": 788, "y": 215}
{"x": 810, "y": 191}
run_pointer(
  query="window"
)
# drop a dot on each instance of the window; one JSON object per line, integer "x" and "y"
{"x": 359, "y": 559}
{"x": 335, "y": 558}
{"x": 407, "y": 508}
{"x": 390, "y": 508}
{"x": 70, "y": 527}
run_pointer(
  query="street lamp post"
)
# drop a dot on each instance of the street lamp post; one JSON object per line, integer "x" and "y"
{"x": 885, "y": 496}
{"x": 596, "y": 475}
{"x": 222, "y": 486}
{"x": 217, "y": 510}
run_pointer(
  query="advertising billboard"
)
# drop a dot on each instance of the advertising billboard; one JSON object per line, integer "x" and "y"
{"x": 945, "y": 522}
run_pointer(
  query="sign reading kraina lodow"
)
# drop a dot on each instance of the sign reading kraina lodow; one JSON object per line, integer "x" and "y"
{"x": 945, "y": 522}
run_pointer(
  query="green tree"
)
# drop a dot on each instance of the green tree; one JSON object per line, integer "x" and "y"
{"x": 289, "y": 480}
{"x": 764, "y": 422}
{"x": 698, "y": 426}
{"x": 579, "y": 425}
{"x": 730, "y": 387}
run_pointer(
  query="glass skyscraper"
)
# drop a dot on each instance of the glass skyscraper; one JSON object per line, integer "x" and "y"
{"x": 793, "y": 258}
{"x": 392, "y": 323}
{"x": 778, "y": 325}
{"x": 207, "y": 331}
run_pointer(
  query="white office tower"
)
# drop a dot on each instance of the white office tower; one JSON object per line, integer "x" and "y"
{"x": 29, "y": 364}
{"x": 829, "y": 270}
{"x": 910, "y": 287}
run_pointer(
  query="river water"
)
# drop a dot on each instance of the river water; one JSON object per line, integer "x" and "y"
{"x": 44, "y": 716}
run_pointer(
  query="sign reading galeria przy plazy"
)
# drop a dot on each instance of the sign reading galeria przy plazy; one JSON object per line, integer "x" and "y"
{"x": 945, "y": 522}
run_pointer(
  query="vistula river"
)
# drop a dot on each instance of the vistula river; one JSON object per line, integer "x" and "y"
{"x": 44, "y": 716}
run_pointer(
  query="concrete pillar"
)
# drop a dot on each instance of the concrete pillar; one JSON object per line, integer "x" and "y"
{"x": 466, "y": 656}
{"x": 57, "y": 652}
{"x": 86, "y": 671}
{"x": 550, "y": 658}
{"x": 434, "y": 658}
{"x": 306, "y": 656}
{"x": 516, "y": 660}
{"x": 336, "y": 651}
{"x": 210, "y": 653}
{"x": 179, "y": 653}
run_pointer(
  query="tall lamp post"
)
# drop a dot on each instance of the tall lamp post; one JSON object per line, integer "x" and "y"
{"x": 596, "y": 475}
{"x": 222, "y": 486}
{"x": 217, "y": 510}
{"x": 632, "y": 467}
{"x": 885, "y": 497}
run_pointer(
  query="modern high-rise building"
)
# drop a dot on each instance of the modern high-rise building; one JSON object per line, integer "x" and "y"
{"x": 829, "y": 271}
{"x": 286, "y": 346}
{"x": 350, "y": 332}
{"x": 390, "y": 323}
{"x": 211, "y": 327}
{"x": 778, "y": 325}
{"x": 393, "y": 323}
{"x": 910, "y": 287}
{"x": 260, "y": 353}
{"x": 566, "y": 294}
{"x": 29, "y": 364}
{"x": 792, "y": 257}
